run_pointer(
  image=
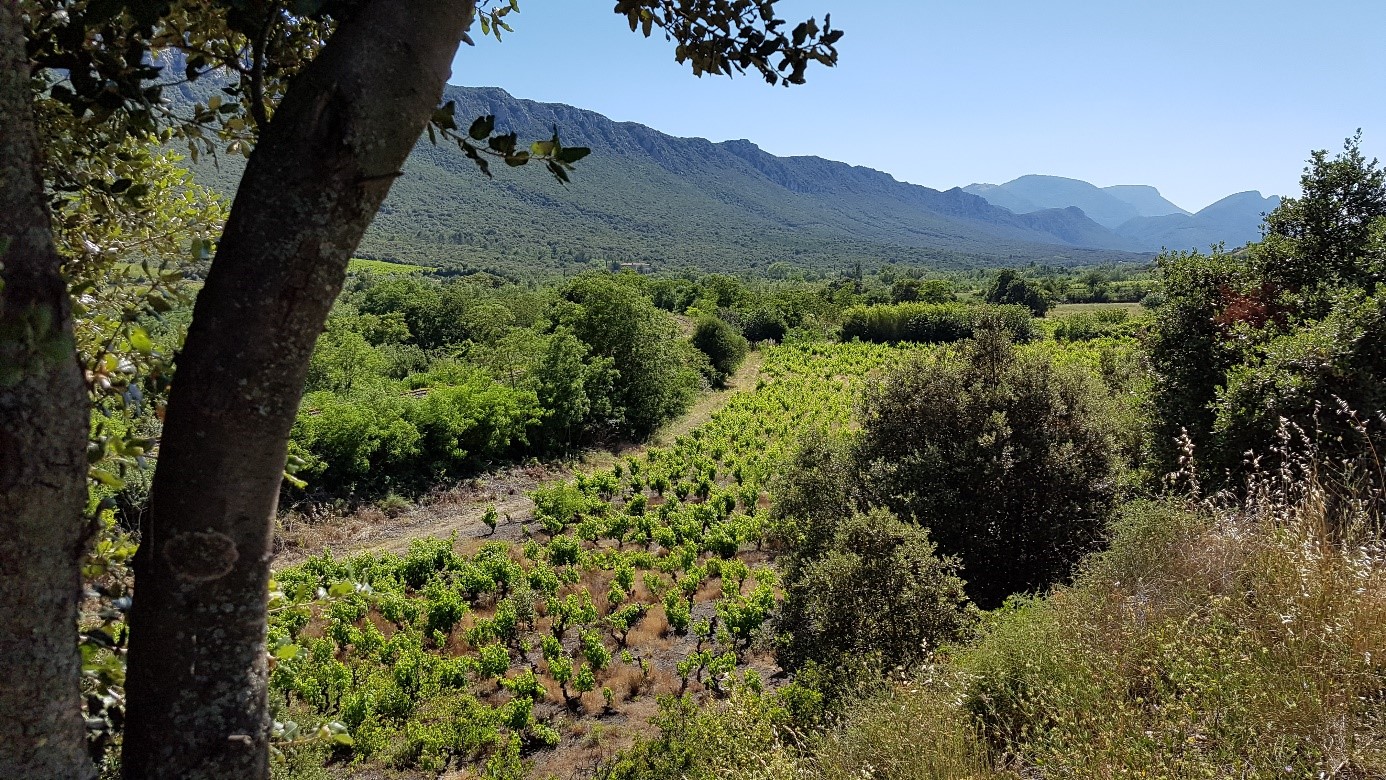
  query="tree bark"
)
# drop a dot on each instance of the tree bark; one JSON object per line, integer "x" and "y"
{"x": 197, "y": 670}
{"x": 43, "y": 436}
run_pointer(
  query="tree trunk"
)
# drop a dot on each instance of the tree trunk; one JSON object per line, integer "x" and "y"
{"x": 197, "y": 664}
{"x": 43, "y": 472}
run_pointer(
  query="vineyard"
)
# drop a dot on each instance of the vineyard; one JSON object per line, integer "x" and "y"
{"x": 654, "y": 576}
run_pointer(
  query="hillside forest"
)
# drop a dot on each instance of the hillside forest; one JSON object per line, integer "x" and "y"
{"x": 277, "y": 510}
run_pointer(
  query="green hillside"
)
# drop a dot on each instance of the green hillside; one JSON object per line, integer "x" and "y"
{"x": 687, "y": 203}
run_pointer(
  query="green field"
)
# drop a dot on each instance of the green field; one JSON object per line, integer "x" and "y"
{"x": 360, "y": 264}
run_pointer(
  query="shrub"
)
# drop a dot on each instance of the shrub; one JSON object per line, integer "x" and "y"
{"x": 1086, "y": 326}
{"x": 619, "y": 323}
{"x": 878, "y": 592}
{"x": 1004, "y": 458}
{"x": 1009, "y": 288}
{"x": 764, "y": 323}
{"x": 724, "y": 347}
{"x": 934, "y": 323}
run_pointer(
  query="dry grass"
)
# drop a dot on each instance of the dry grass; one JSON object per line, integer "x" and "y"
{"x": 651, "y": 632}
{"x": 710, "y": 590}
{"x": 1217, "y": 638}
{"x": 627, "y": 682}
{"x": 904, "y": 735}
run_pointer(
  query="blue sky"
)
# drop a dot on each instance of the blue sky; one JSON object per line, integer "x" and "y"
{"x": 1201, "y": 99}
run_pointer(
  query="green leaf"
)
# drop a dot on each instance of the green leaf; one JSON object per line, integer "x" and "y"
{"x": 140, "y": 341}
{"x": 558, "y": 172}
{"x": 341, "y": 589}
{"x": 286, "y": 652}
{"x": 343, "y": 739}
{"x": 482, "y": 127}
{"x": 444, "y": 116}
{"x": 504, "y": 144}
{"x": 571, "y": 154}
{"x": 517, "y": 159}
{"x": 107, "y": 478}
{"x": 541, "y": 148}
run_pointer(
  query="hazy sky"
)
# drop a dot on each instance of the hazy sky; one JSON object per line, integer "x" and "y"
{"x": 1201, "y": 98}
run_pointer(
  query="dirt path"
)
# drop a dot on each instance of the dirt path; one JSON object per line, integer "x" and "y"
{"x": 459, "y": 509}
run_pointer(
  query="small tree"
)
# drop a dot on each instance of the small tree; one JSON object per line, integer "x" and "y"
{"x": 724, "y": 347}
{"x": 1010, "y": 288}
{"x": 1004, "y": 458}
{"x": 878, "y": 592}
{"x": 1279, "y": 328}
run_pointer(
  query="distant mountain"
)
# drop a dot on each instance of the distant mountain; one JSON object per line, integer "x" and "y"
{"x": 1056, "y": 192}
{"x": 1138, "y": 216}
{"x": 1146, "y": 199}
{"x": 675, "y": 203}
{"x": 1234, "y": 220}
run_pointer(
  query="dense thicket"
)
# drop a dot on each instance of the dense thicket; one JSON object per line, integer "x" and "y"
{"x": 1291, "y": 328}
{"x": 417, "y": 380}
{"x": 877, "y": 598}
{"x": 1009, "y": 288}
{"x": 932, "y": 323}
{"x": 1006, "y": 458}
{"x": 724, "y": 347}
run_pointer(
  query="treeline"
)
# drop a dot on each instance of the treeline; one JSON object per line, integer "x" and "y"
{"x": 418, "y": 380}
{"x": 933, "y": 323}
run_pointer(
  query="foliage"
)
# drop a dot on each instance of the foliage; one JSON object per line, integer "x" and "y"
{"x": 702, "y": 743}
{"x": 813, "y": 495}
{"x": 724, "y": 347}
{"x": 878, "y": 597}
{"x": 933, "y": 323}
{"x": 1002, "y": 456}
{"x": 1282, "y": 329}
{"x": 1086, "y": 326}
{"x": 1242, "y": 638}
{"x": 620, "y": 325}
{"x": 1009, "y": 288}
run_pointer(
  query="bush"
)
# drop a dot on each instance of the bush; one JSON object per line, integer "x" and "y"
{"x": 1011, "y": 289}
{"x": 877, "y": 596}
{"x": 619, "y": 323}
{"x": 933, "y": 323}
{"x": 1279, "y": 328}
{"x": 354, "y": 444}
{"x": 1086, "y": 326}
{"x": 764, "y": 323}
{"x": 1004, "y": 458}
{"x": 724, "y": 347}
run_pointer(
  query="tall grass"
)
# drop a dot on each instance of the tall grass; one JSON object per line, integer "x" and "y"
{"x": 1218, "y": 637}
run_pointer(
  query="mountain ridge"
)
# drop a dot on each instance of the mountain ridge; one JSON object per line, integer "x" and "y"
{"x": 1138, "y": 215}
{"x": 673, "y": 203}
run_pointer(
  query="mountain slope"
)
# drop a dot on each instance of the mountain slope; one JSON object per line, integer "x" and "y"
{"x": 1147, "y": 200}
{"x": 1233, "y": 221}
{"x": 643, "y": 196}
{"x": 1057, "y": 192}
{"x": 675, "y": 203}
{"x": 1140, "y": 218}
